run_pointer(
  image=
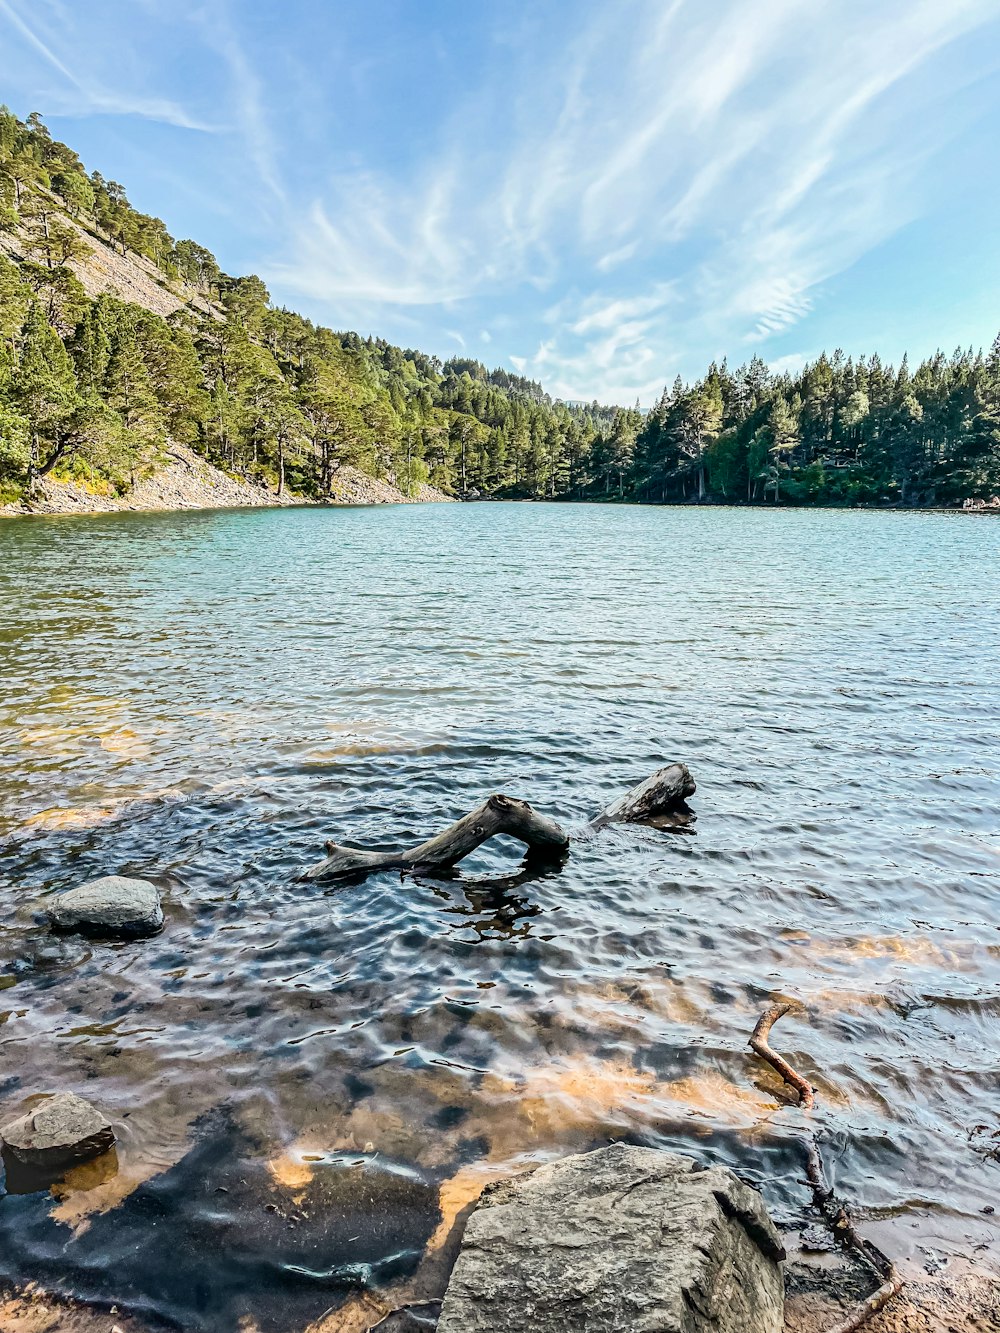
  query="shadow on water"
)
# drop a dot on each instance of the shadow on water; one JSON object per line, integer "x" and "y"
{"x": 215, "y": 1238}
{"x": 493, "y": 907}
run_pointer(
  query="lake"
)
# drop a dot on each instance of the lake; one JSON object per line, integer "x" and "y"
{"x": 311, "y": 1081}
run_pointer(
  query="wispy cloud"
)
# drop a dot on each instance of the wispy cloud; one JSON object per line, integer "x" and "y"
{"x": 598, "y": 312}
{"x": 249, "y": 113}
{"x": 614, "y": 192}
{"x": 748, "y": 151}
{"x": 93, "y": 96}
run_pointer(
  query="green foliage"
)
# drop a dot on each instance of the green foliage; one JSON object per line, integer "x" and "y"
{"x": 15, "y": 444}
{"x": 101, "y": 387}
{"x": 840, "y": 432}
{"x": 76, "y": 191}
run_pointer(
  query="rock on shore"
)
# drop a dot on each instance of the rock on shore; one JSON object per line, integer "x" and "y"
{"x": 112, "y": 905}
{"x": 623, "y": 1240}
{"x": 60, "y": 1130}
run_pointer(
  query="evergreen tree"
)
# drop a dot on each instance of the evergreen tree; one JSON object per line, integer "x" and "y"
{"x": 128, "y": 387}
{"x": 43, "y": 390}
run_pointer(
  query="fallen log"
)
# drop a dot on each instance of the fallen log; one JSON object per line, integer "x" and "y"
{"x": 659, "y": 797}
{"x": 498, "y": 814}
{"x": 662, "y": 795}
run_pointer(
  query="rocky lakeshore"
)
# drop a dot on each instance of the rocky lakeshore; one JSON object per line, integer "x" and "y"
{"x": 187, "y": 481}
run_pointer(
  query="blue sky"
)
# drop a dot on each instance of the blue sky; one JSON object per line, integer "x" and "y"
{"x": 599, "y": 195}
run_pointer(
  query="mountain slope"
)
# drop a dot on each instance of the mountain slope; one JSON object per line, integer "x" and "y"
{"x": 120, "y": 341}
{"x": 104, "y": 270}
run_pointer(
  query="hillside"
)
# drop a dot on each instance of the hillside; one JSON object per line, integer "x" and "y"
{"x": 120, "y": 343}
{"x": 104, "y": 270}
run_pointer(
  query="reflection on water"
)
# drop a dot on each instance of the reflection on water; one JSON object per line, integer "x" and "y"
{"x": 311, "y": 1082}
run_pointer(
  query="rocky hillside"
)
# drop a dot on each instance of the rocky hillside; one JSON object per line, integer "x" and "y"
{"x": 184, "y": 479}
{"x": 103, "y": 268}
{"x": 187, "y": 481}
{"x": 119, "y": 341}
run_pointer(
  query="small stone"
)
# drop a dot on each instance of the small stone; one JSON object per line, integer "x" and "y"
{"x": 112, "y": 905}
{"x": 59, "y": 1131}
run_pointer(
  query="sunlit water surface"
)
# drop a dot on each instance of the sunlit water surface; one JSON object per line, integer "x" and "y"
{"x": 310, "y": 1082}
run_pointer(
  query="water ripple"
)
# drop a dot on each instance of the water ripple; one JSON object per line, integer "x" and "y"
{"x": 205, "y": 698}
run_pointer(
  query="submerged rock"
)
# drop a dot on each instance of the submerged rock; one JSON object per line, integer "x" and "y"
{"x": 623, "y": 1240}
{"x": 111, "y": 905}
{"x": 59, "y": 1131}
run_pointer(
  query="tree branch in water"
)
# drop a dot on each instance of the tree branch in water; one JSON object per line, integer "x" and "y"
{"x": 659, "y": 800}
{"x": 759, "y": 1043}
{"x": 833, "y": 1213}
{"x": 498, "y": 814}
{"x": 662, "y": 795}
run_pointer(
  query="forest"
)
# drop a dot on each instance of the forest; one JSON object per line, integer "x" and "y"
{"x": 96, "y": 388}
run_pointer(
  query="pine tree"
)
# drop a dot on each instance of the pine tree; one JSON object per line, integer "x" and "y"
{"x": 783, "y": 429}
{"x": 43, "y": 389}
{"x": 91, "y": 344}
{"x": 128, "y": 389}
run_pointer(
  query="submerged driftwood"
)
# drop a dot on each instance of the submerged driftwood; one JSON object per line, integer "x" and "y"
{"x": 835, "y": 1214}
{"x": 660, "y": 797}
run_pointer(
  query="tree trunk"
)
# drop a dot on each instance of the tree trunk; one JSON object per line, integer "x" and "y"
{"x": 32, "y": 479}
{"x": 43, "y": 469}
{"x": 326, "y": 474}
{"x": 664, "y": 793}
{"x": 701, "y": 470}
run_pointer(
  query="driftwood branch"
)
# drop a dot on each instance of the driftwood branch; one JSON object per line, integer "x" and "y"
{"x": 662, "y": 795}
{"x": 402, "y": 1309}
{"x": 868, "y": 1309}
{"x": 838, "y": 1219}
{"x": 659, "y": 797}
{"x": 836, "y": 1216}
{"x": 842, "y": 1225}
{"x": 761, "y": 1046}
{"x": 498, "y": 814}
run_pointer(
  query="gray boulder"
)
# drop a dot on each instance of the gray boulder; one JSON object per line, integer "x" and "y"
{"x": 59, "y": 1131}
{"x": 624, "y": 1240}
{"x": 112, "y": 905}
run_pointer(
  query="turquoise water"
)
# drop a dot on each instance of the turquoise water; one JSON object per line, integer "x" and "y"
{"x": 204, "y": 698}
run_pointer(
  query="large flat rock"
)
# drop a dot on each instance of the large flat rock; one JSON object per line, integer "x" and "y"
{"x": 60, "y": 1130}
{"x": 113, "y": 905}
{"x": 623, "y": 1240}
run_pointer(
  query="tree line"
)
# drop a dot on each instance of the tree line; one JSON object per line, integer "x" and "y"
{"x": 840, "y": 431}
{"x": 98, "y": 388}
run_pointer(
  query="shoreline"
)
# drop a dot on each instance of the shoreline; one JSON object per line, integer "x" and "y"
{"x": 189, "y": 482}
